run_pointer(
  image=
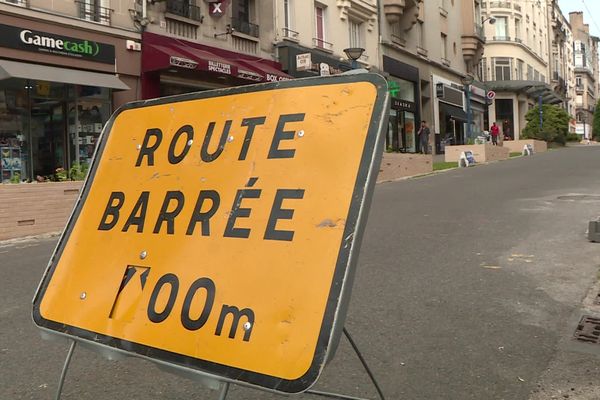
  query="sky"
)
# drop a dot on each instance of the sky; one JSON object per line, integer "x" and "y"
{"x": 591, "y": 12}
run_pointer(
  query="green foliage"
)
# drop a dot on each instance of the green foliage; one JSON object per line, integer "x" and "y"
{"x": 60, "y": 174}
{"x": 77, "y": 172}
{"x": 515, "y": 154}
{"x": 596, "y": 123}
{"x": 555, "y": 124}
{"x": 16, "y": 178}
{"x": 573, "y": 137}
{"x": 437, "y": 166}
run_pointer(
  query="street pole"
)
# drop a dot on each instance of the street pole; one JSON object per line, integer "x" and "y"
{"x": 541, "y": 113}
{"x": 469, "y": 116}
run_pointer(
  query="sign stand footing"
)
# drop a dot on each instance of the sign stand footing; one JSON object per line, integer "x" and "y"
{"x": 225, "y": 385}
{"x": 63, "y": 374}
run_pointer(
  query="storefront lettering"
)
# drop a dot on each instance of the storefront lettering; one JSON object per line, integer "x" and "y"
{"x": 198, "y": 207}
{"x": 83, "y": 47}
{"x": 276, "y": 78}
{"x": 216, "y": 66}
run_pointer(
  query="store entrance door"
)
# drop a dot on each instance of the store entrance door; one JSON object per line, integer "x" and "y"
{"x": 48, "y": 137}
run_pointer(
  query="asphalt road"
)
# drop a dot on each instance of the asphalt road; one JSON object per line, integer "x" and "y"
{"x": 467, "y": 288}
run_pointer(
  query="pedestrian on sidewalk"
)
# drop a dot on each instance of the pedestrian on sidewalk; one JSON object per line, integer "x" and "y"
{"x": 424, "y": 137}
{"x": 495, "y": 131}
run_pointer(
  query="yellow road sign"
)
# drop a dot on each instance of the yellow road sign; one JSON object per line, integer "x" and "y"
{"x": 217, "y": 231}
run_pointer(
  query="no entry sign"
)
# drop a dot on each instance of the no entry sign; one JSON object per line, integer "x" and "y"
{"x": 218, "y": 231}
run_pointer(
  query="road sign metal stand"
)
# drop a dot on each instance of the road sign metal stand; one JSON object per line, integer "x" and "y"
{"x": 63, "y": 374}
{"x": 224, "y": 390}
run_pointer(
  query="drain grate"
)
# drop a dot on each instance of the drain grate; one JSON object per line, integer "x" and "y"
{"x": 588, "y": 330}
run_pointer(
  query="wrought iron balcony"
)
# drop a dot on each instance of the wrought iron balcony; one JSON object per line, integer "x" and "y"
{"x": 500, "y": 4}
{"x": 244, "y": 27}
{"x": 93, "y": 12}
{"x": 290, "y": 34}
{"x": 183, "y": 9}
{"x": 321, "y": 44}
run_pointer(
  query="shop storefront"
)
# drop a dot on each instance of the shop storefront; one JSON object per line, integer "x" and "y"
{"x": 451, "y": 117}
{"x": 403, "y": 84}
{"x": 478, "y": 109}
{"x": 173, "y": 66}
{"x": 57, "y": 89}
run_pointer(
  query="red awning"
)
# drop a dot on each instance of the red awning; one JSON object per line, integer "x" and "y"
{"x": 162, "y": 52}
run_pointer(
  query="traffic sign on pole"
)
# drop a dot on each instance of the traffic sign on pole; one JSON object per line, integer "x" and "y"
{"x": 218, "y": 231}
{"x": 491, "y": 95}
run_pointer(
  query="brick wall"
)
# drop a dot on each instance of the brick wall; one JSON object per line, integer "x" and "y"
{"x": 35, "y": 208}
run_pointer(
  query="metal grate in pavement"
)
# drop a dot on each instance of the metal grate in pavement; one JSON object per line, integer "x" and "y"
{"x": 588, "y": 330}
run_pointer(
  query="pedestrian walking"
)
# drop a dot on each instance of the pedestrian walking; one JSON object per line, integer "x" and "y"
{"x": 424, "y": 137}
{"x": 495, "y": 131}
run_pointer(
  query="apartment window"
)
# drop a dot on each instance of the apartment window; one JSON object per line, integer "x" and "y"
{"x": 578, "y": 82}
{"x": 320, "y": 24}
{"x": 483, "y": 70}
{"x": 520, "y": 65}
{"x": 517, "y": 29}
{"x": 288, "y": 14}
{"x": 444, "y": 46}
{"x": 241, "y": 16}
{"x": 421, "y": 34}
{"x": 501, "y": 28}
{"x": 502, "y": 69}
{"x": 536, "y": 75}
{"x": 355, "y": 29}
{"x": 94, "y": 10}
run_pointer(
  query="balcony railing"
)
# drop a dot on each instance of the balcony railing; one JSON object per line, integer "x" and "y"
{"x": 244, "y": 27}
{"x": 183, "y": 9}
{"x": 93, "y": 12}
{"x": 290, "y": 34}
{"x": 501, "y": 38}
{"x": 517, "y": 7}
{"x": 500, "y": 4}
{"x": 321, "y": 44}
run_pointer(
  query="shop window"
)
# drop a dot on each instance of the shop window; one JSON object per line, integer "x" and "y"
{"x": 243, "y": 17}
{"x": 94, "y": 10}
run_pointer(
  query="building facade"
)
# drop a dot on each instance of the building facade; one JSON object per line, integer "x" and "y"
{"x": 517, "y": 65}
{"x": 64, "y": 67}
{"x": 586, "y": 74}
{"x": 192, "y": 45}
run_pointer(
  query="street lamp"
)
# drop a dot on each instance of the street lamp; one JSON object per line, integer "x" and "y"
{"x": 490, "y": 19}
{"x": 467, "y": 80}
{"x": 354, "y": 53}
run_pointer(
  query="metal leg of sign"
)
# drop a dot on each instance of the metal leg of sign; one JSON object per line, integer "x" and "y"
{"x": 224, "y": 390}
{"x": 63, "y": 374}
{"x": 365, "y": 366}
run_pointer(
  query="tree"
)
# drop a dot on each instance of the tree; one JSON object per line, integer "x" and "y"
{"x": 555, "y": 124}
{"x": 596, "y": 123}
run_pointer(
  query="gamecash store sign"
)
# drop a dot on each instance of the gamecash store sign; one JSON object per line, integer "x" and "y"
{"x": 44, "y": 42}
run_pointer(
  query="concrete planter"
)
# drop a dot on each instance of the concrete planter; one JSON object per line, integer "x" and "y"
{"x": 400, "y": 165}
{"x": 481, "y": 152}
{"x": 515, "y": 146}
{"x": 28, "y": 209}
